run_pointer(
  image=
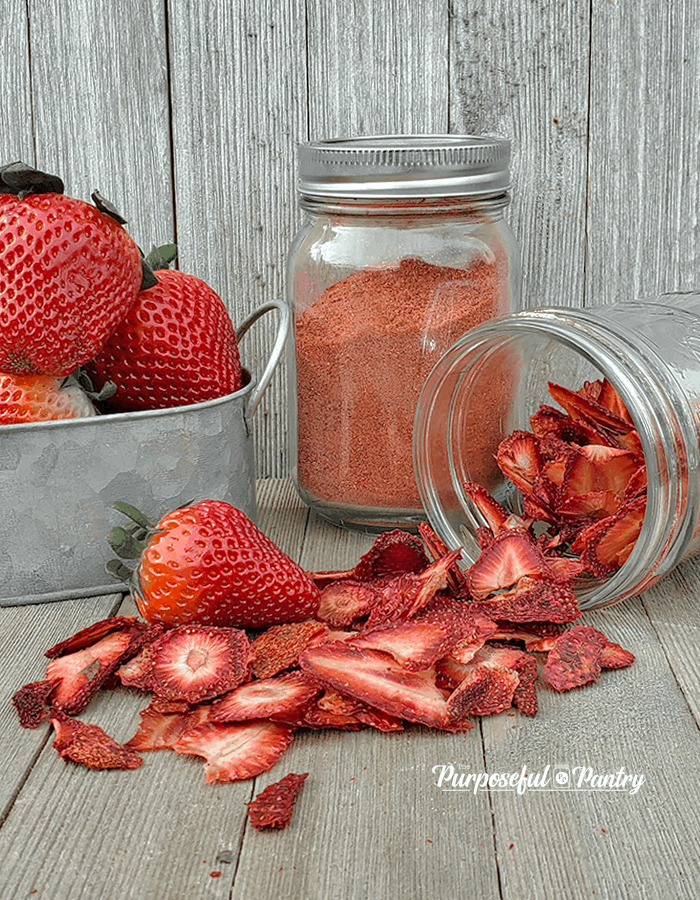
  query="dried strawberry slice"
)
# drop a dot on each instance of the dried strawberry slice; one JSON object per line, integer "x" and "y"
{"x": 273, "y": 806}
{"x": 280, "y": 696}
{"x": 376, "y": 679}
{"x": 237, "y": 750}
{"x": 548, "y": 421}
{"x": 519, "y": 458}
{"x": 470, "y": 629}
{"x": 403, "y": 596}
{"x": 82, "y": 673}
{"x": 583, "y": 409}
{"x": 594, "y": 468}
{"x": 332, "y": 710}
{"x": 482, "y": 690}
{"x": 345, "y": 600}
{"x": 86, "y": 637}
{"x": 160, "y": 730}
{"x": 393, "y": 553}
{"x": 511, "y": 556}
{"x": 89, "y": 744}
{"x": 524, "y": 696}
{"x": 608, "y": 544}
{"x": 612, "y": 401}
{"x": 593, "y": 505}
{"x": 416, "y": 645}
{"x": 494, "y": 514}
{"x": 279, "y": 647}
{"x": 31, "y": 702}
{"x": 437, "y": 549}
{"x": 637, "y": 484}
{"x": 533, "y": 599}
{"x": 575, "y": 658}
{"x": 198, "y": 662}
{"x": 612, "y": 656}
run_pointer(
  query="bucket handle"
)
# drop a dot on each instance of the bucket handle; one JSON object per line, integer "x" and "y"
{"x": 281, "y": 339}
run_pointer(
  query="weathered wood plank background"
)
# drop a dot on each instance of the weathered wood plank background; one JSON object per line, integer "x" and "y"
{"x": 187, "y": 114}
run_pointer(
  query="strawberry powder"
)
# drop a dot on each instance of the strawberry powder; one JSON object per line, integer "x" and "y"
{"x": 364, "y": 349}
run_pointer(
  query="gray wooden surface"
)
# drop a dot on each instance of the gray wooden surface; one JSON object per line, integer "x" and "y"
{"x": 371, "y": 822}
{"x": 187, "y": 115}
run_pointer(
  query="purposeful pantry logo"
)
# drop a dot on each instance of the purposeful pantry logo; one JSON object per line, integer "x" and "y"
{"x": 555, "y": 777}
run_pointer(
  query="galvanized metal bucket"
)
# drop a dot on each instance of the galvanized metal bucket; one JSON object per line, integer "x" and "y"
{"x": 59, "y": 479}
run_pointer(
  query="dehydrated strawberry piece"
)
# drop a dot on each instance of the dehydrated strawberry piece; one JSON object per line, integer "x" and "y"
{"x": 279, "y": 647}
{"x": 533, "y": 599}
{"x": 393, "y": 553}
{"x": 82, "y": 673}
{"x": 163, "y": 705}
{"x": 346, "y": 600}
{"x": 403, "y": 596}
{"x": 608, "y": 544}
{"x": 136, "y": 671}
{"x": 524, "y": 696}
{"x": 612, "y": 401}
{"x": 437, "y": 549}
{"x": 593, "y": 505}
{"x": 612, "y": 656}
{"x": 483, "y": 691}
{"x": 273, "y": 806}
{"x": 89, "y": 744}
{"x": 637, "y": 484}
{"x": 237, "y": 750}
{"x": 280, "y": 696}
{"x": 31, "y": 702}
{"x": 494, "y": 514}
{"x": 548, "y": 421}
{"x": 575, "y": 658}
{"x": 519, "y": 458}
{"x": 416, "y": 645}
{"x": 586, "y": 410}
{"x": 376, "y": 679}
{"x": 340, "y": 714}
{"x": 86, "y": 637}
{"x": 511, "y": 556}
{"x": 198, "y": 662}
{"x": 594, "y": 468}
{"x": 160, "y": 730}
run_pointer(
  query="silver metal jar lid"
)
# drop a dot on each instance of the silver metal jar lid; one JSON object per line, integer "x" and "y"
{"x": 441, "y": 165}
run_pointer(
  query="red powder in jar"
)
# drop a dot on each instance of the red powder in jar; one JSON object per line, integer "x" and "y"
{"x": 364, "y": 349}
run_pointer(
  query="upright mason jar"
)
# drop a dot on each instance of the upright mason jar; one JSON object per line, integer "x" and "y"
{"x": 404, "y": 248}
{"x": 649, "y": 352}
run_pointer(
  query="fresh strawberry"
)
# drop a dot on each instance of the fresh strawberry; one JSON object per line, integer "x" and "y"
{"x": 40, "y": 398}
{"x": 236, "y": 751}
{"x": 89, "y": 744}
{"x": 176, "y": 345}
{"x": 273, "y": 806}
{"x": 197, "y": 662}
{"x": 68, "y": 274}
{"x": 208, "y": 563}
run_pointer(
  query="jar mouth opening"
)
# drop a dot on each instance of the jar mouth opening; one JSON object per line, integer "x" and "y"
{"x": 388, "y": 204}
{"x": 520, "y": 354}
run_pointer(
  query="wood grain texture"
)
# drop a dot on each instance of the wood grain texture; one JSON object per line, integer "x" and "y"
{"x": 100, "y": 97}
{"x": 571, "y": 842}
{"x": 25, "y": 633}
{"x": 520, "y": 70}
{"x": 16, "y": 131}
{"x": 235, "y": 125}
{"x": 377, "y": 67}
{"x": 644, "y": 187}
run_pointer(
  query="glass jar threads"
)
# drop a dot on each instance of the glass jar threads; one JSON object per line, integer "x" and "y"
{"x": 648, "y": 352}
{"x": 404, "y": 248}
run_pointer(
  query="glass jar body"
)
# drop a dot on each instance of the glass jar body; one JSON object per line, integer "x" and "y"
{"x": 650, "y": 352}
{"x": 379, "y": 292}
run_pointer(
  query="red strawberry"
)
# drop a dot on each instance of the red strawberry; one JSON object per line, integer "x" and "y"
{"x": 272, "y": 808}
{"x": 68, "y": 274}
{"x": 38, "y": 398}
{"x": 176, "y": 345}
{"x": 90, "y": 745}
{"x": 208, "y": 563}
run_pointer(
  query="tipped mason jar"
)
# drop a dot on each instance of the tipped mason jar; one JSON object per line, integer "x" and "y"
{"x": 649, "y": 352}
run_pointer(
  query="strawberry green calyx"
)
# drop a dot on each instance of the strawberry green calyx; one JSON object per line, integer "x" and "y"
{"x": 21, "y": 179}
{"x": 161, "y": 257}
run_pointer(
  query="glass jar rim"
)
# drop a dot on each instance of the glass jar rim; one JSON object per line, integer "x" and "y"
{"x": 668, "y": 519}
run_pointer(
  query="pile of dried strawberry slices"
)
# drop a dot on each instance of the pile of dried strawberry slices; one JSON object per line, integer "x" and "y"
{"x": 405, "y": 636}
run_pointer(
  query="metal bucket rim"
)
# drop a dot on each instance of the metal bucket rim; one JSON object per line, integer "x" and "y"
{"x": 139, "y": 414}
